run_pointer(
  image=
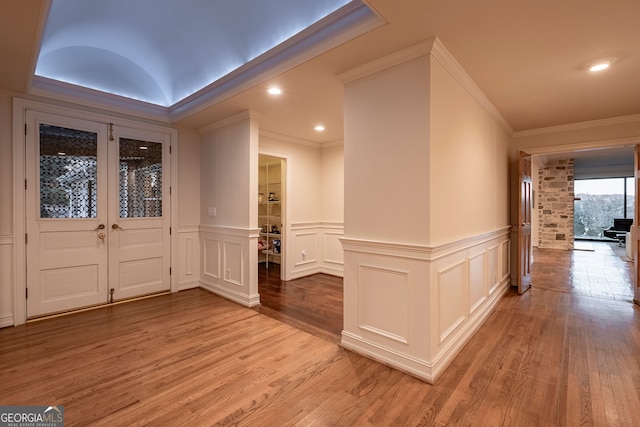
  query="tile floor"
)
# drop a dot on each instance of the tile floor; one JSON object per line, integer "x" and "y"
{"x": 597, "y": 270}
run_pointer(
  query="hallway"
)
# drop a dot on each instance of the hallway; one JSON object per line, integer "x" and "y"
{"x": 596, "y": 269}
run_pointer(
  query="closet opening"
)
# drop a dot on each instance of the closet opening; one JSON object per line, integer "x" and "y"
{"x": 271, "y": 202}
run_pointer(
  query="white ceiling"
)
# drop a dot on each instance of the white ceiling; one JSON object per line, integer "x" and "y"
{"x": 528, "y": 57}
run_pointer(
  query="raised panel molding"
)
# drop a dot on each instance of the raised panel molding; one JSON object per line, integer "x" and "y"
{"x": 452, "y": 298}
{"x": 211, "y": 257}
{"x": 188, "y": 258}
{"x": 494, "y": 272}
{"x": 383, "y": 302}
{"x": 332, "y": 249}
{"x": 321, "y": 242}
{"x": 306, "y": 242}
{"x": 233, "y": 263}
{"x": 505, "y": 250}
{"x": 477, "y": 281}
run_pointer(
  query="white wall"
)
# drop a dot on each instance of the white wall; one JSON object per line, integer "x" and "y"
{"x": 6, "y": 163}
{"x": 387, "y": 171}
{"x": 469, "y": 164}
{"x": 225, "y": 176}
{"x": 332, "y": 183}
{"x": 303, "y": 175}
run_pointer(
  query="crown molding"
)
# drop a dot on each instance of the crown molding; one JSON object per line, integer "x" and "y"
{"x": 70, "y": 93}
{"x": 444, "y": 57}
{"x": 436, "y": 50}
{"x": 244, "y": 115}
{"x": 285, "y": 138}
{"x": 404, "y": 55}
{"x": 579, "y": 126}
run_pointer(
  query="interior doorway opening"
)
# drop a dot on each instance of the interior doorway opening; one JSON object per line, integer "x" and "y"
{"x": 271, "y": 216}
{"x": 598, "y": 260}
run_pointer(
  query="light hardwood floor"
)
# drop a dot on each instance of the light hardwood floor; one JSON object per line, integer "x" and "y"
{"x": 546, "y": 358}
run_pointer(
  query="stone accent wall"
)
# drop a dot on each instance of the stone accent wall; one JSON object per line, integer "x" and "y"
{"x": 555, "y": 205}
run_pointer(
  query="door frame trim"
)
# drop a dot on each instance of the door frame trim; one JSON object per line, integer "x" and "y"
{"x": 20, "y": 107}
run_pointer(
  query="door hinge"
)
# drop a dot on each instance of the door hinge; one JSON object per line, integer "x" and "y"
{"x": 169, "y": 271}
{"x": 170, "y": 190}
{"x": 25, "y": 184}
{"x": 169, "y": 231}
{"x": 26, "y": 293}
{"x": 170, "y": 149}
{"x": 26, "y": 240}
{"x": 25, "y": 129}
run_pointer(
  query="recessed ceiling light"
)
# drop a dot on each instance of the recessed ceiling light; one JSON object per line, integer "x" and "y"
{"x": 144, "y": 148}
{"x": 274, "y": 90}
{"x": 319, "y": 128}
{"x": 601, "y": 64}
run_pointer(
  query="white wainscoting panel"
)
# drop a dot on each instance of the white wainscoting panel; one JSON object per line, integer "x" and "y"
{"x": 233, "y": 260}
{"x": 494, "y": 269}
{"x": 306, "y": 247}
{"x": 441, "y": 292}
{"x": 315, "y": 248}
{"x": 506, "y": 259}
{"x": 6, "y": 281}
{"x": 383, "y": 302}
{"x": 229, "y": 257}
{"x": 211, "y": 256}
{"x": 188, "y": 258}
{"x": 477, "y": 282}
{"x": 452, "y": 298}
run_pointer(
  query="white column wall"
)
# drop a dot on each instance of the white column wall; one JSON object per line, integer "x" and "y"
{"x": 426, "y": 246}
{"x": 189, "y": 208}
{"x": 229, "y": 184}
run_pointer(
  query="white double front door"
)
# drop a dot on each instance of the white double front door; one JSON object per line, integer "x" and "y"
{"x": 97, "y": 213}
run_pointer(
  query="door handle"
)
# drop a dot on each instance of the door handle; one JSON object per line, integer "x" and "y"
{"x": 100, "y": 227}
{"x": 116, "y": 227}
{"x": 102, "y": 236}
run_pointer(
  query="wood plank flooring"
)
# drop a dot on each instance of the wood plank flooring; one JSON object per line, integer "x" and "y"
{"x": 312, "y": 304}
{"x": 545, "y": 358}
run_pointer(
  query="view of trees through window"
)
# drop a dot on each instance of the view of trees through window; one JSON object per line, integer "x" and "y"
{"x": 601, "y": 200}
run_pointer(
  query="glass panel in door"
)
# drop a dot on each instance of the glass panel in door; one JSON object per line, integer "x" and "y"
{"x": 140, "y": 179}
{"x": 68, "y": 172}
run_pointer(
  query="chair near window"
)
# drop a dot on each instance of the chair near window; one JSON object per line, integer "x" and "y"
{"x": 619, "y": 230}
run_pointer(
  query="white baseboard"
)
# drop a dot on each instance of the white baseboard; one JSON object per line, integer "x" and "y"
{"x": 464, "y": 334}
{"x": 6, "y": 320}
{"x": 412, "y": 366}
{"x": 188, "y": 285}
{"x": 247, "y": 301}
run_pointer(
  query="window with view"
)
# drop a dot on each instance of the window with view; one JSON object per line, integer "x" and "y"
{"x": 598, "y": 202}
